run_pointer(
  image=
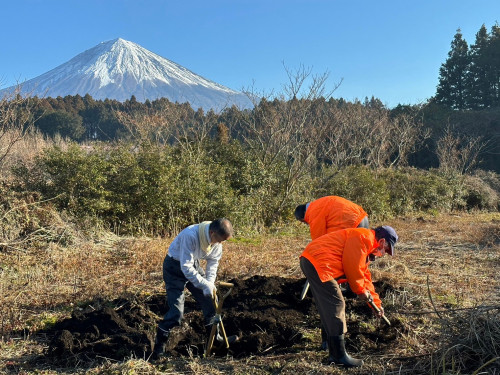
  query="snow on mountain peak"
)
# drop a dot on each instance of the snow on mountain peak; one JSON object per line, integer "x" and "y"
{"x": 118, "y": 69}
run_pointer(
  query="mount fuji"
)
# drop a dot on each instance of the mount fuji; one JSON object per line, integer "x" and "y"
{"x": 118, "y": 69}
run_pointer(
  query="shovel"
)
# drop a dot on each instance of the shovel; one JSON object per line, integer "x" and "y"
{"x": 218, "y": 318}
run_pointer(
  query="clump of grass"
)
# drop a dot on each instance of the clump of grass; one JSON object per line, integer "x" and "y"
{"x": 43, "y": 281}
{"x": 470, "y": 342}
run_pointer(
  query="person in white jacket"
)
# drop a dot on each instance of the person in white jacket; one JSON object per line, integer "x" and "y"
{"x": 181, "y": 269}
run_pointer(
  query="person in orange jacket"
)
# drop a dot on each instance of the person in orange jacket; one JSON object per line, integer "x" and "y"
{"x": 329, "y": 214}
{"x": 336, "y": 258}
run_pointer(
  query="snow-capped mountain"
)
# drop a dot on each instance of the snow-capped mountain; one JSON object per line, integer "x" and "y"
{"x": 118, "y": 69}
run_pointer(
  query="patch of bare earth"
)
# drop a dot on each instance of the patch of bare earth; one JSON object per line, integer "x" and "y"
{"x": 94, "y": 307}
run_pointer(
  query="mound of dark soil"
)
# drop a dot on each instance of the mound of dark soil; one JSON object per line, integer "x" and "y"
{"x": 265, "y": 312}
{"x": 116, "y": 330}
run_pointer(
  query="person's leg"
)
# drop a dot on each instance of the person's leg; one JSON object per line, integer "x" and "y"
{"x": 324, "y": 339}
{"x": 175, "y": 282}
{"x": 328, "y": 299}
{"x": 331, "y": 307}
{"x": 208, "y": 309}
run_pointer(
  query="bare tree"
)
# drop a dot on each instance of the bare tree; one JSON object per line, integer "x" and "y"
{"x": 171, "y": 124}
{"x": 359, "y": 134}
{"x": 459, "y": 153}
{"x": 193, "y": 134}
{"x": 17, "y": 117}
{"x": 151, "y": 125}
{"x": 356, "y": 135}
{"x": 287, "y": 129}
{"x": 407, "y": 136}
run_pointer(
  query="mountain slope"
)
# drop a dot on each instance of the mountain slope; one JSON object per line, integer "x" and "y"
{"x": 118, "y": 69}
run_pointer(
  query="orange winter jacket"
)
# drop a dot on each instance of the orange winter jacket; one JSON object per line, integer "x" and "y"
{"x": 342, "y": 255}
{"x": 331, "y": 213}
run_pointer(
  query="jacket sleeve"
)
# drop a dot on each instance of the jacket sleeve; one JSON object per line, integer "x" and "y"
{"x": 354, "y": 263}
{"x": 187, "y": 246}
{"x": 371, "y": 288}
{"x": 213, "y": 263}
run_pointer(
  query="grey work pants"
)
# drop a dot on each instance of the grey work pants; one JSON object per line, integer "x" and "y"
{"x": 175, "y": 282}
{"x": 328, "y": 298}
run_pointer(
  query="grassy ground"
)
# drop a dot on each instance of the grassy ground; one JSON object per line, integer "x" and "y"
{"x": 444, "y": 295}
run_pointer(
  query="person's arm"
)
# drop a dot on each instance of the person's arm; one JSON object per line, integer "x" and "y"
{"x": 213, "y": 263}
{"x": 357, "y": 271}
{"x": 187, "y": 248}
{"x": 354, "y": 263}
{"x": 369, "y": 286}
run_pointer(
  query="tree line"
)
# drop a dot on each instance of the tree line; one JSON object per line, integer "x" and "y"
{"x": 469, "y": 79}
{"x": 344, "y": 132}
{"x": 157, "y": 166}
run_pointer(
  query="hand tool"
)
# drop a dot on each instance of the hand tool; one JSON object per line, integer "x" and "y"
{"x": 304, "y": 290}
{"x": 218, "y": 318}
{"x": 375, "y": 307}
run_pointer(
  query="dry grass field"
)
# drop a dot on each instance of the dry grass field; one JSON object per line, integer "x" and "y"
{"x": 442, "y": 294}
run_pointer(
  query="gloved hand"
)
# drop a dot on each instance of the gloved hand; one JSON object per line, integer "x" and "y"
{"x": 209, "y": 289}
{"x": 366, "y": 296}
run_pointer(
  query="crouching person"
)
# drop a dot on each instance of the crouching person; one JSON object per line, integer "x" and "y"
{"x": 340, "y": 257}
{"x": 181, "y": 269}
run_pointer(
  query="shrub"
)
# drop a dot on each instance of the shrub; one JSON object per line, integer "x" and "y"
{"x": 479, "y": 192}
{"x": 202, "y": 190}
{"x": 145, "y": 189}
{"x": 399, "y": 186}
{"x": 360, "y": 185}
{"x": 414, "y": 190}
{"x": 27, "y": 221}
{"x": 152, "y": 189}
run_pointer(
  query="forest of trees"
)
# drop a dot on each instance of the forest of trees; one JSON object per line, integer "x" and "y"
{"x": 470, "y": 77}
{"x": 336, "y": 122}
{"x": 465, "y": 111}
{"x": 158, "y": 165}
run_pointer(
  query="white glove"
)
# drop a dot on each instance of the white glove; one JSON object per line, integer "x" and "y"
{"x": 209, "y": 289}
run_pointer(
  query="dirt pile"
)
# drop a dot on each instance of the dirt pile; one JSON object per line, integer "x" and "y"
{"x": 265, "y": 312}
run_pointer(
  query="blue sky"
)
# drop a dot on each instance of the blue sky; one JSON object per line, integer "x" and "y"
{"x": 388, "y": 49}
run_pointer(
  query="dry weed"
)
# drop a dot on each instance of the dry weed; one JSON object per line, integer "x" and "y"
{"x": 443, "y": 292}
{"x": 26, "y": 150}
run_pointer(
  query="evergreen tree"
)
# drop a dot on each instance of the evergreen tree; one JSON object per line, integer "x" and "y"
{"x": 493, "y": 57}
{"x": 479, "y": 93}
{"x": 63, "y": 123}
{"x": 451, "y": 90}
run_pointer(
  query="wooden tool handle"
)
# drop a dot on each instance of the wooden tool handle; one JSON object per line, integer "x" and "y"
{"x": 375, "y": 307}
{"x": 211, "y": 339}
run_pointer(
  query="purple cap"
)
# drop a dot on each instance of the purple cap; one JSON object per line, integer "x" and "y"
{"x": 389, "y": 234}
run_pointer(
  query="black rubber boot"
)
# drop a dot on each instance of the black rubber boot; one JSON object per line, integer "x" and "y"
{"x": 338, "y": 355}
{"x": 324, "y": 339}
{"x": 160, "y": 341}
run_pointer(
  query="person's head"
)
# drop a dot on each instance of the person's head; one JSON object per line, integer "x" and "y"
{"x": 220, "y": 230}
{"x": 387, "y": 238}
{"x": 300, "y": 212}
